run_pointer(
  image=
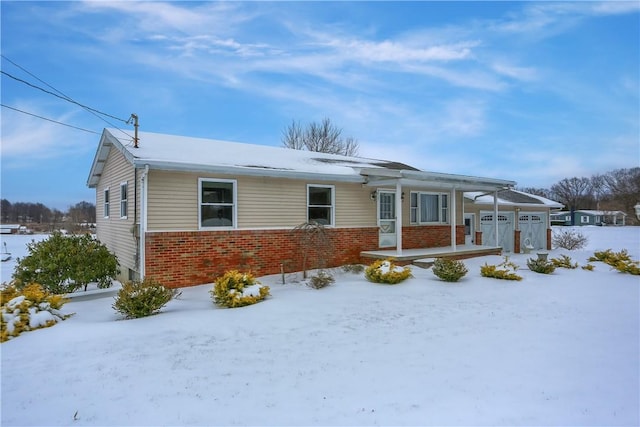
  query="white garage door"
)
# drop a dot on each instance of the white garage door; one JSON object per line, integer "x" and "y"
{"x": 505, "y": 230}
{"x": 533, "y": 226}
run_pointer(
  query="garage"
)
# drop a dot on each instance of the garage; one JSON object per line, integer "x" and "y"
{"x": 533, "y": 227}
{"x": 505, "y": 230}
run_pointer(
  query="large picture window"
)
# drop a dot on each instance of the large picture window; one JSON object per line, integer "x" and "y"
{"x": 217, "y": 203}
{"x": 320, "y": 201}
{"x": 124, "y": 198}
{"x": 429, "y": 208}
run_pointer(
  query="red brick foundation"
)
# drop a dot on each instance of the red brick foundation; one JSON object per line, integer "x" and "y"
{"x": 178, "y": 259}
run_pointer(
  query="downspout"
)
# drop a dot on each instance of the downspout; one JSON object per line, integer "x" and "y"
{"x": 143, "y": 219}
{"x": 453, "y": 219}
{"x": 398, "y": 218}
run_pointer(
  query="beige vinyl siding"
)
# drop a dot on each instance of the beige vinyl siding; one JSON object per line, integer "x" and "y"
{"x": 115, "y": 232}
{"x": 263, "y": 202}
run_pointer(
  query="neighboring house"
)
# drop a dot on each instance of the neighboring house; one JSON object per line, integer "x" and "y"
{"x": 9, "y": 228}
{"x": 185, "y": 210}
{"x": 561, "y": 218}
{"x": 523, "y": 219}
{"x": 589, "y": 217}
{"x": 598, "y": 217}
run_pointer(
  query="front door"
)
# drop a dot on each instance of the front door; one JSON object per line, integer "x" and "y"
{"x": 469, "y": 229}
{"x": 386, "y": 219}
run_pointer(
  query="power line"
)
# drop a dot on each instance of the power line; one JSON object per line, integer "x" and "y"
{"x": 65, "y": 97}
{"x": 49, "y": 120}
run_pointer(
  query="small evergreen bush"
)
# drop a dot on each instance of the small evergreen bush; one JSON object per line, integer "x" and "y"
{"x": 62, "y": 264}
{"x": 449, "y": 270}
{"x": 564, "y": 262}
{"x": 236, "y": 289}
{"x": 569, "y": 239}
{"x": 385, "y": 271}
{"x": 142, "y": 298}
{"x": 588, "y": 267}
{"x": 621, "y": 261}
{"x": 320, "y": 280}
{"x": 506, "y": 270}
{"x": 29, "y": 308}
{"x": 541, "y": 265}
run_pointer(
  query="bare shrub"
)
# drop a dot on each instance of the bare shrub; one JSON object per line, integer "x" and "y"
{"x": 569, "y": 239}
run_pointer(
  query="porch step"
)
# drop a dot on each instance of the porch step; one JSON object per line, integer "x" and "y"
{"x": 412, "y": 255}
{"x": 424, "y": 263}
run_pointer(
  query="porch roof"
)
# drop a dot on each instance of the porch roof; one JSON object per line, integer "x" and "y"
{"x": 413, "y": 178}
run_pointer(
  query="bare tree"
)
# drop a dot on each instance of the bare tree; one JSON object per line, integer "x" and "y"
{"x": 572, "y": 192}
{"x": 323, "y": 137}
{"x": 314, "y": 242}
{"x": 624, "y": 187}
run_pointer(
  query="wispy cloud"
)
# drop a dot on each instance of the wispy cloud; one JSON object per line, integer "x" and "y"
{"x": 26, "y": 138}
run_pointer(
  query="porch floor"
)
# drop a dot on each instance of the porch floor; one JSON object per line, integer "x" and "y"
{"x": 424, "y": 256}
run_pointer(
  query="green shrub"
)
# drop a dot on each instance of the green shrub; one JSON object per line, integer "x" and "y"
{"x": 541, "y": 265}
{"x": 564, "y": 262}
{"x": 449, "y": 270}
{"x": 236, "y": 289}
{"x": 29, "y": 308}
{"x": 621, "y": 261}
{"x": 385, "y": 271}
{"x": 589, "y": 267}
{"x": 62, "y": 264}
{"x": 321, "y": 280}
{"x": 142, "y": 298}
{"x": 505, "y": 270}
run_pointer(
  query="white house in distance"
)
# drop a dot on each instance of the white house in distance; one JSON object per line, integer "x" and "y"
{"x": 185, "y": 210}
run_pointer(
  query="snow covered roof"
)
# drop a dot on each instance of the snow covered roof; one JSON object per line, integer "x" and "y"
{"x": 512, "y": 197}
{"x": 601, "y": 213}
{"x": 171, "y": 152}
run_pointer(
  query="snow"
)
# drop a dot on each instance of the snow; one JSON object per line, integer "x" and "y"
{"x": 560, "y": 349}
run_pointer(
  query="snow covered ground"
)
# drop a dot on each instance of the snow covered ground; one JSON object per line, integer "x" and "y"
{"x": 560, "y": 349}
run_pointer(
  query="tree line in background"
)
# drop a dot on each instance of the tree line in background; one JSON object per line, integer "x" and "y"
{"x": 618, "y": 189}
{"x": 39, "y": 216}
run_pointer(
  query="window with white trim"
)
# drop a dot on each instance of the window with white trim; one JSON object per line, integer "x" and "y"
{"x": 217, "y": 200}
{"x": 106, "y": 202}
{"x": 429, "y": 208}
{"x": 320, "y": 204}
{"x": 584, "y": 219}
{"x": 124, "y": 198}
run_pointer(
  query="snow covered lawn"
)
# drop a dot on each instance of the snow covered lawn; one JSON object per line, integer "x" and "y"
{"x": 560, "y": 349}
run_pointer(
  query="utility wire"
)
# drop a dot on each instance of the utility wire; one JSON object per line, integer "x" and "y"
{"x": 49, "y": 120}
{"x": 64, "y": 96}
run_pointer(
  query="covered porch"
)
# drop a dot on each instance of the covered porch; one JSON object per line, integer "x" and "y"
{"x": 391, "y": 183}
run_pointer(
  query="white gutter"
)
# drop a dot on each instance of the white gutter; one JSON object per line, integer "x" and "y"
{"x": 143, "y": 219}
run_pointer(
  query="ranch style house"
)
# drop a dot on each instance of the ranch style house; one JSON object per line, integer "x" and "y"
{"x": 185, "y": 210}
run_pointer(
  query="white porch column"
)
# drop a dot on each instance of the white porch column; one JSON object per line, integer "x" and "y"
{"x": 398, "y": 218}
{"x": 495, "y": 215}
{"x": 452, "y": 219}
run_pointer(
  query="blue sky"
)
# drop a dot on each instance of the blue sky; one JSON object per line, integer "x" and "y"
{"x": 527, "y": 91}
